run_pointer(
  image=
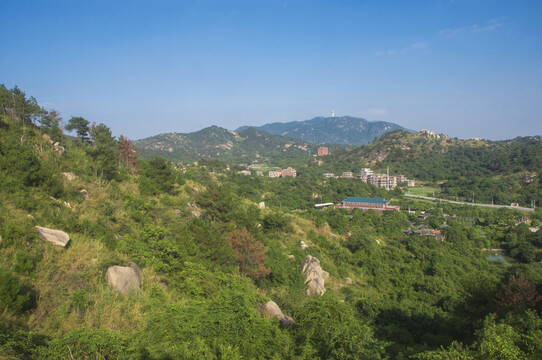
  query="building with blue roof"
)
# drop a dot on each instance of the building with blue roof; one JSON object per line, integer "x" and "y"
{"x": 363, "y": 203}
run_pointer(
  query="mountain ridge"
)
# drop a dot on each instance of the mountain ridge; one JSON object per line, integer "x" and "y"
{"x": 249, "y": 145}
{"x": 343, "y": 130}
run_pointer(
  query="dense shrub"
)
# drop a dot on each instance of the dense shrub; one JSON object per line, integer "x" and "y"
{"x": 14, "y": 295}
{"x": 87, "y": 343}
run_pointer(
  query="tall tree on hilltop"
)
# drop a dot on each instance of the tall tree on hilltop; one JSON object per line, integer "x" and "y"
{"x": 26, "y": 110}
{"x": 101, "y": 136}
{"x": 80, "y": 125}
{"x": 50, "y": 123}
{"x": 22, "y": 109}
{"x": 103, "y": 151}
{"x": 4, "y": 99}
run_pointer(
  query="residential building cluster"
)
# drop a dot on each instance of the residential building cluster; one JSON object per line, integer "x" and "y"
{"x": 274, "y": 173}
{"x": 283, "y": 173}
{"x": 379, "y": 180}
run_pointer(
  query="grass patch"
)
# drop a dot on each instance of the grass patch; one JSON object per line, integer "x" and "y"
{"x": 422, "y": 190}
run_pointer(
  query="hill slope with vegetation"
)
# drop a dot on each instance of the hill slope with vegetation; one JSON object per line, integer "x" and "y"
{"x": 247, "y": 146}
{"x": 211, "y": 258}
{"x": 344, "y": 130}
{"x": 503, "y": 171}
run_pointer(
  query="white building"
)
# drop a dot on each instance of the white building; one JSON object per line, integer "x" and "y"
{"x": 382, "y": 180}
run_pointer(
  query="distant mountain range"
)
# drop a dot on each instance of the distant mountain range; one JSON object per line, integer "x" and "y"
{"x": 276, "y": 142}
{"x": 247, "y": 146}
{"x": 344, "y": 130}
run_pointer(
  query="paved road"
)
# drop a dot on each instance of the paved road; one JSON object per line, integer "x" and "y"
{"x": 469, "y": 203}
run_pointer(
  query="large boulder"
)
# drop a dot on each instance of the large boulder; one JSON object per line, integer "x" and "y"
{"x": 124, "y": 279}
{"x": 272, "y": 309}
{"x": 56, "y": 237}
{"x": 314, "y": 275}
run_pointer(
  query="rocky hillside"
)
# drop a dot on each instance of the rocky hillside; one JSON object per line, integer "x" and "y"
{"x": 345, "y": 130}
{"x": 247, "y": 146}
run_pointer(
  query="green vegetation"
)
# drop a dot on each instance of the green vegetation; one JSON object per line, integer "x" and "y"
{"x": 211, "y": 258}
{"x": 502, "y": 172}
{"x": 344, "y": 130}
{"x": 247, "y": 146}
{"x": 423, "y": 190}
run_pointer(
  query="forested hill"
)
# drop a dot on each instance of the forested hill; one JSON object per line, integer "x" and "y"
{"x": 247, "y": 146}
{"x": 345, "y": 130}
{"x": 496, "y": 171}
{"x": 437, "y": 157}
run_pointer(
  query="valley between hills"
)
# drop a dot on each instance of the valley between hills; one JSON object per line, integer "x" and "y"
{"x": 182, "y": 246}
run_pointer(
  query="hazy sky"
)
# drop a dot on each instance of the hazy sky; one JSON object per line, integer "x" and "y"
{"x": 466, "y": 68}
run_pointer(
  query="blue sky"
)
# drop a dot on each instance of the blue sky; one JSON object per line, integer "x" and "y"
{"x": 466, "y": 68}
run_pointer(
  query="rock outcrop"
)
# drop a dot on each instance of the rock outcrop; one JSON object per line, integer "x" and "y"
{"x": 56, "y": 237}
{"x": 124, "y": 279}
{"x": 59, "y": 148}
{"x": 314, "y": 275}
{"x": 69, "y": 176}
{"x": 272, "y": 309}
{"x": 85, "y": 194}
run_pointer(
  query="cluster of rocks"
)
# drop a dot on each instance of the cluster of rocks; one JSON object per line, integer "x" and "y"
{"x": 124, "y": 279}
{"x": 315, "y": 277}
{"x": 127, "y": 279}
{"x": 56, "y": 145}
{"x": 194, "y": 210}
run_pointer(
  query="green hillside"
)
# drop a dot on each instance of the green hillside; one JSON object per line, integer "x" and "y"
{"x": 247, "y": 146}
{"x": 343, "y": 130}
{"x": 503, "y": 171}
{"x": 211, "y": 257}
